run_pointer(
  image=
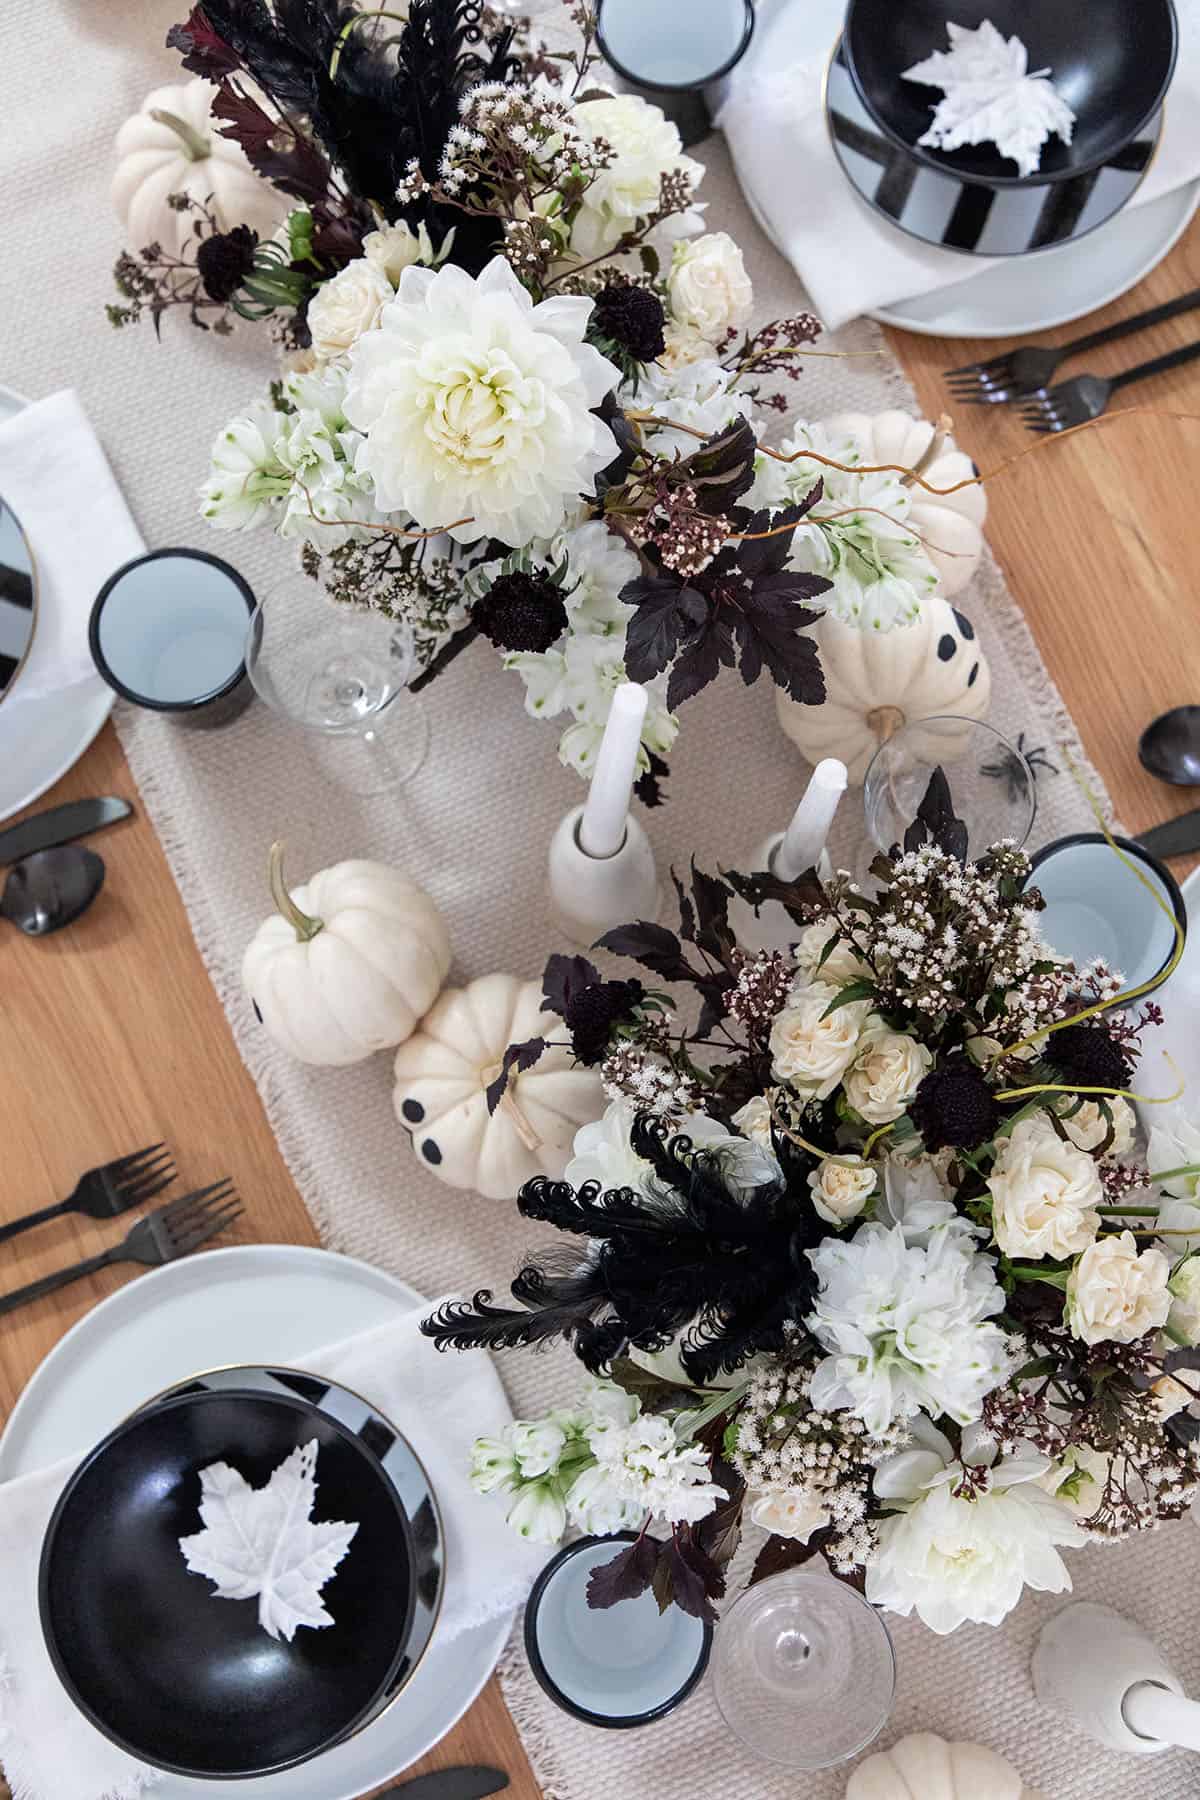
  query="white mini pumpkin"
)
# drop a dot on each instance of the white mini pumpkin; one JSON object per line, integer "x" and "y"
{"x": 926, "y": 1767}
{"x": 172, "y": 145}
{"x": 347, "y": 964}
{"x": 875, "y": 682}
{"x": 442, "y": 1073}
{"x": 950, "y": 526}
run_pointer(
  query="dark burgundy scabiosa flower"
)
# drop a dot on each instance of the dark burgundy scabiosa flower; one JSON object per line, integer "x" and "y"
{"x": 954, "y": 1107}
{"x": 632, "y": 318}
{"x": 1087, "y": 1056}
{"x": 224, "y": 260}
{"x": 522, "y": 612}
{"x": 593, "y": 1011}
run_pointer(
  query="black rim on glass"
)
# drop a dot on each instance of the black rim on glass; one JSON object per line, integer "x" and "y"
{"x": 675, "y": 87}
{"x": 1170, "y": 886}
{"x": 610, "y": 1721}
{"x": 131, "y": 694}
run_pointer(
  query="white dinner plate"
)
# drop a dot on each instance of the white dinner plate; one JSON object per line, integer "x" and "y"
{"x": 1179, "y": 1033}
{"x": 41, "y": 740}
{"x": 255, "y": 1303}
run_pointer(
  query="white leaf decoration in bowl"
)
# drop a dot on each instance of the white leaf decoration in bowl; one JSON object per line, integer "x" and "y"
{"x": 265, "y": 1541}
{"x": 989, "y": 96}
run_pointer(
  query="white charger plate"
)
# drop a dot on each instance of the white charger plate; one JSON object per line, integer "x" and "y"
{"x": 41, "y": 740}
{"x": 254, "y": 1303}
{"x": 1178, "y": 1034}
{"x": 1023, "y": 294}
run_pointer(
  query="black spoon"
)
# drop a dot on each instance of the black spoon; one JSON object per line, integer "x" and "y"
{"x": 51, "y": 888}
{"x": 1170, "y": 746}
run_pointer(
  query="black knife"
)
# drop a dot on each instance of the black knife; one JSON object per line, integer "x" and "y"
{"x": 61, "y": 825}
{"x": 467, "y": 1783}
{"x": 1178, "y": 837}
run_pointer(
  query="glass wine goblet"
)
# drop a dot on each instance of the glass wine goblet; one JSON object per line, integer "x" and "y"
{"x": 803, "y": 1670}
{"x": 992, "y": 787}
{"x": 341, "y": 672}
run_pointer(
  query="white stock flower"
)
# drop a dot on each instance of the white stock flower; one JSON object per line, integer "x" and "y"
{"x": 840, "y": 967}
{"x": 395, "y": 248}
{"x": 644, "y": 1466}
{"x": 1113, "y": 1293}
{"x": 812, "y": 1050}
{"x": 599, "y": 566}
{"x": 1088, "y": 1128}
{"x": 246, "y": 481}
{"x": 1077, "y": 1479}
{"x": 595, "y": 1506}
{"x": 885, "y": 1075}
{"x": 954, "y": 1555}
{"x": 905, "y": 1327}
{"x": 537, "y": 1445}
{"x": 646, "y": 146}
{"x": 1175, "y": 1144}
{"x": 841, "y": 1187}
{"x": 538, "y": 1512}
{"x": 708, "y": 287}
{"x": 346, "y": 306}
{"x": 493, "y": 1464}
{"x": 1044, "y": 1193}
{"x": 476, "y": 405}
{"x": 789, "y": 1513}
{"x": 581, "y": 677}
{"x": 916, "y": 1197}
{"x": 1183, "y": 1320}
{"x": 754, "y": 1121}
{"x": 696, "y": 394}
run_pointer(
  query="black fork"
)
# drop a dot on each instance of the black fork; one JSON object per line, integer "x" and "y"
{"x": 175, "y": 1230}
{"x": 111, "y": 1189}
{"x": 1016, "y": 373}
{"x": 1085, "y": 397}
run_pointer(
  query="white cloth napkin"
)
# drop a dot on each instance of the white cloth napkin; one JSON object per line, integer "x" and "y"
{"x": 850, "y": 260}
{"x": 55, "y": 478}
{"x": 440, "y": 1401}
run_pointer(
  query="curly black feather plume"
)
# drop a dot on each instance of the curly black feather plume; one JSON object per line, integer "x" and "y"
{"x": 689, "y": 1254}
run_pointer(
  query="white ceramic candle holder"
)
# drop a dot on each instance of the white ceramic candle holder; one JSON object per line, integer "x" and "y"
{"x": 787, "y": 854}
{"x": 592, "y": 894}
{"x": 1102, "y": 1673}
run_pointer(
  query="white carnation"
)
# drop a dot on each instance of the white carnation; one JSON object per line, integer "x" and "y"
{"x": 346, "y": 306}
{"x": 812, "y": 1047}
{"x": 1114, "y": 1293}
{"x": 885, "y": 1075}
{"x": 476, "y": 405}
{"x": 905, "y": 1327}
{"x": 646, "y": 146}
{"x": 1044, "y": 1193}
{"x": 708, "y": 287}
{"x": 955, "y": 1556}
{"x": 642, "y": 1464}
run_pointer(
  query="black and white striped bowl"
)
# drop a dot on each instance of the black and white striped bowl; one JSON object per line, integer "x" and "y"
{"x": 955, "y": 213}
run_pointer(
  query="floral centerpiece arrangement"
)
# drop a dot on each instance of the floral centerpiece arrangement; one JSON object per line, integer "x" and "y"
{"x": 865, "y": 1252}
{"x": 521, "y": 400}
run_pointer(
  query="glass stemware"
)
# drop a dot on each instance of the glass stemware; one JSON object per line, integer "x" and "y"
{"x": 803, "y": 1670}
{"x": 992, "y": 786}
{"x": 340, "y": 671}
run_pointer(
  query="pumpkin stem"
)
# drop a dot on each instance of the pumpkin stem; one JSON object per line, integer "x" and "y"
{"x": 933, "y": 450}
{"x": 305, "y": 928}
{"x": 195, "y": 146}
{"x": 520, "y": 1124}
{"x": 885, "y": 721}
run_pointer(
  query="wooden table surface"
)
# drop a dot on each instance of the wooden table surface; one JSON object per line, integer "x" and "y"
{"x": 111, "y": 1035}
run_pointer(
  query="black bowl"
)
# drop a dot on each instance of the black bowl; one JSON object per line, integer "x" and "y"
{"x": 188, "y": 1682}
{"x": 1112, "y": 61}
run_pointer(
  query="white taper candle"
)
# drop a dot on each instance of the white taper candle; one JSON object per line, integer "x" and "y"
{"x": 804, "y": 839}
{"x": 1155, "y": 1712}
{"x": 602, "y": 828}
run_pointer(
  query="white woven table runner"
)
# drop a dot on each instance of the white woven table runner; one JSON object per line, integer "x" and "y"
{"x": 474, "y": 829}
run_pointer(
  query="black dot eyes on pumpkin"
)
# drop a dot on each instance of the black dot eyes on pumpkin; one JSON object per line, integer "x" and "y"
{"x": 257, "y": 1014}
{"x": 430, "y": 1152}
{"x": 413, "y": 1111}
{"x": 972, "y": 675}
{"x": 946, "y": 647}
{"x": 964, "y": 624}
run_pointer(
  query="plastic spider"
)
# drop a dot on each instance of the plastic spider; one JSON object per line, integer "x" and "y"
{"x": 1010, "y": 767}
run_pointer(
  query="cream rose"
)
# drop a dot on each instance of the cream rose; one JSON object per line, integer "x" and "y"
{"x": 811, "y": 1051}
{"x": 1044, "y": 1193}
{"x": 754, "y": 1121}
{"x": 1088, "y": 1128}
{"x": 708, "y": 287}
{"x": 683, "y": 346}
{"x": 396, "y": 248}
{"x": 342, "y": 309}
{"x": 841, "y": 1188}
{"x": 1183, "y": 1321}
{"x": 886, "y": 1074}
{"x": 790, "y": 1513}
{"x": 840, "y": 967}
{"x": 1116, "y": 1294}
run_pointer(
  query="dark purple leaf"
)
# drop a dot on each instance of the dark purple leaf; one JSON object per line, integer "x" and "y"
{"x": 518, "y": 1056}
{"x": 248, "y": 124}
{"x": 648, "y": 786}
{"x": 715, "y": 990}
{"x": 204, "y": 51}
{"x": 722, "y": 470}
{"x": 626, "y": 1576}
{"x": 699, "y": 663}
{"x": 656, "y": 948}
{"x": 668, "y": 616}
{"x": 281, "y": 153}
{"x": 696, "y": 1581}
{"x": 564, "y": 977}
{"x": 721, "y": 1532}
{"x": 1183, "y": 1428}
{"x": 779, "y": 1554}
{"x": 791, "y": 660}
{"x": 798, "y": 898}
{"x": 712, "y": 899}
{"x": 687, "y": 914}
{"x": 936, "y": 822}
{"x": 336, "y": 238}
{"x": 1182, "y": 1358}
